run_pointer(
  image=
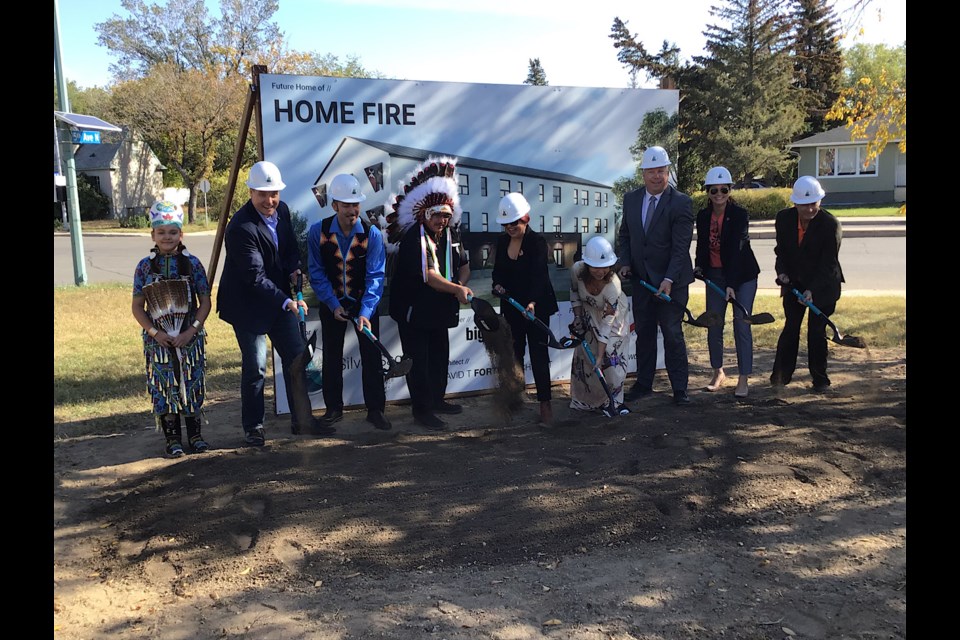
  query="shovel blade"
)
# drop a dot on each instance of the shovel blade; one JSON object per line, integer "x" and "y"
{"x": 762, "y": 318}
{"x": 398, "y": 368}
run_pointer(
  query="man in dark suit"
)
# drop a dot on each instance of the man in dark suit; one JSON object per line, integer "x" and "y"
{"x": 654, "y": 246}
{"x": 808, "y": 249}
{"x": 255, "y": 296}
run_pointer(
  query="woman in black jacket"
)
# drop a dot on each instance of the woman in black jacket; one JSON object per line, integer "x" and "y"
{"x": 520, "y": 271}
{"x": 725, "y": 258}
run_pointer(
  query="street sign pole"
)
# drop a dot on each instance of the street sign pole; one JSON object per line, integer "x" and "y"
{"x": 204, "y": 186}
{"x": 73, "y": 207}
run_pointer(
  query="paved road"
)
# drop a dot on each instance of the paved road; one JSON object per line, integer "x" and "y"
{"x": 871, "y": 265}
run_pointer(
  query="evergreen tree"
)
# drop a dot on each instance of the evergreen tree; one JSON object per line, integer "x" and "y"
{"x": 747, "y": 109}
{"x": 535, "y": 74}
{"x": 818, "y": 61}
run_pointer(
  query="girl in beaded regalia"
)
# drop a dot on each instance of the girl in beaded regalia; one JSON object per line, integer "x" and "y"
{"x": 171, "y": 301}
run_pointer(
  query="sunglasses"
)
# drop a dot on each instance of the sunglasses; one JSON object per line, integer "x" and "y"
{"x": 511, "y": 224}
{"x": 715, "y": 190}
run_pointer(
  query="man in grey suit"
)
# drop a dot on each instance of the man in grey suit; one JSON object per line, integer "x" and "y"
{"x": 654, "y": 246}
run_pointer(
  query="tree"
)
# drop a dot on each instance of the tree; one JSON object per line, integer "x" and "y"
{"x": 181, "y": 33}
{"x": 183, "y": 115}
{"x": 748, "y": 109}
{"x": 873, "y": 102}
{"x": 535, "y": 74}
{"x": 818, "y": 63}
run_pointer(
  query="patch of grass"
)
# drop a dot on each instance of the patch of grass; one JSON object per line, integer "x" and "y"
{"x": 867, "y": 211}
{"x": 98, "y": 362}
{"x": 99, "y": 380}
{"x": 879, "y": 320}
{"x": 113, "y": 226}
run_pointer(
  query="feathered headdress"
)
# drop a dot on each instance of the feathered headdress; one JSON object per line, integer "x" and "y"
{"x": 432, "y": 188}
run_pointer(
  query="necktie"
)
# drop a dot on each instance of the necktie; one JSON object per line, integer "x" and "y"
{"x": 651, "y": 207}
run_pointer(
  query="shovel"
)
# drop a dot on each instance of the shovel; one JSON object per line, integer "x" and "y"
{"x": 392, "y": 367}
{"x": 611, "y": 409}
{"x": 705, "y": 319}
{"x": 839, "y": 338}
{"x": 484, "y": 315}
{"x": 566, "y": 342}
{"x": 300, "y": 398}
{"x": 757, "y": 318}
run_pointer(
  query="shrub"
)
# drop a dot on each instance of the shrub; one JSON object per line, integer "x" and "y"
{"x": 57, "y": 224}
{"x": 762, "y": 204}
{"x": 138, "y": 221}
{"x": 93, "y": 204}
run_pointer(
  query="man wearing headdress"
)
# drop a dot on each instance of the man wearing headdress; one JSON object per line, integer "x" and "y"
{"x": 425, "y": 291}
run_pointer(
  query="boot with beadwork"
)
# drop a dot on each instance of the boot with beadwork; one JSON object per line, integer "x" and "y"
{"x": 170, "y": 425}
{"x": 197, "y": 443}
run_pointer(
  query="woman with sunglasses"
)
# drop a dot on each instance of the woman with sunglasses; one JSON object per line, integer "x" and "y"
{"x": 724, "y": 257}
{"x": 520, "y": 271}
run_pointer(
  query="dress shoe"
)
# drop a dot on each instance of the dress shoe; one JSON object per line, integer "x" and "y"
{"x": 821, "y": 387}
{"x": 332, "y": 415}
{"x": 680, "y": 398}
{"x": 637, "y": 392}
{"x": 718, "y": 377}
{"x": 320, "y": 428}
{"x": 430, "y": 421}
{"x": 448, "y": 408}
{"x": 378, "y": 420}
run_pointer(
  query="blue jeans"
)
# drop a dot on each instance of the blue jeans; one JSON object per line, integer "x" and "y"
{"x": 742, "y": 331}
{"x": 286, "y": 339}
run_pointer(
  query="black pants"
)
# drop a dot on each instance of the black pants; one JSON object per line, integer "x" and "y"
{"x": 430, "y": 351}
{"x": 333, "y": 332}
{"x": 526, "y": 333}
{"x": 785, "y": 362}
{"x": 650, "y": 312}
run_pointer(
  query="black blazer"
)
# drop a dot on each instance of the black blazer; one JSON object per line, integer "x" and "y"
{"x": 663, "y": 251}
{"x": 739, "y": 264}
{"x": 256, "y": 274}
{"x": 526, "y": 279}
{"x": 813, "y": 264}
{"x": 411, "y": 299}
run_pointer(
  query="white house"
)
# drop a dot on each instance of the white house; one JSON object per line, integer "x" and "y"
{"x": 127, "y": 172}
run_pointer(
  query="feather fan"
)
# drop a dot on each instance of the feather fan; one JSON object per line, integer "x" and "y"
{"x": 168, "y": 302}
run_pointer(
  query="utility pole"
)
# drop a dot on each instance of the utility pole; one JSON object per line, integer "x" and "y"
{"x": 64, "y": 137}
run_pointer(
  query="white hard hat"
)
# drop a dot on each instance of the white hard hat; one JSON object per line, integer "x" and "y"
{"x": 654, "y": 157}
{"x": 513, "y": 206}
{"x": 265, "y": 176}
{"x": 345, "y": 188}
{"x": 718, "y": 175}
{"x": 807, "y": 190}
{"x": 599, "y": 253}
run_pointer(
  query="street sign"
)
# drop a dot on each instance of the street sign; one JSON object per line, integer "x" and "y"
{"x": 204, "y": 185}
{"x": 85, "y": 137}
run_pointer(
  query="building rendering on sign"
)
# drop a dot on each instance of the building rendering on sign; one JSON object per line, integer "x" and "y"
{"x": 567, "y": 209}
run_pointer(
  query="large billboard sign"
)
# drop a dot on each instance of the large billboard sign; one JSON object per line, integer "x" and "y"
{"x": 562, "y": 147}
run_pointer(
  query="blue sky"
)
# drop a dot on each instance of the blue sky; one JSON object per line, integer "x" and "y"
{"x": 486, "y": 41}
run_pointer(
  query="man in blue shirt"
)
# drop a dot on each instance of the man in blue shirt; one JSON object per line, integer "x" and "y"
{"x": 347, "y": 261}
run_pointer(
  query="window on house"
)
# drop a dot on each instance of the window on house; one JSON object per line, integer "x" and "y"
{"x": 576, "y": 196}
{"x": 606, "y": 225}
{"x": 504, "y": 187}
{"x": 585, "y": 225}
{"x": 844, "y": 161}
{"x": 483, "y": 187}
{"x": 465, "y": 221}
{"x": 596, "y": 225}
{"x": 556, "y": 224}
{"x": 464, "y": 181}
{"x": 558, "y": 256}
{"x": 606, "y": 199}
{"x": 584, "y": 198}
{"x": 542, "y": 222}
{"x": 483, "y": 222}
{"x": 556, "y": 195}
{"x": 540, "y": 192}
{"x": 485, "y": 254}
{"x": 596, "y": 199}
{"x": 520, "y": 186}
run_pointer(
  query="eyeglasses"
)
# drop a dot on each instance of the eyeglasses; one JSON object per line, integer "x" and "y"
{"x": 715, "y": 190}
{"x": 511, "y": 224}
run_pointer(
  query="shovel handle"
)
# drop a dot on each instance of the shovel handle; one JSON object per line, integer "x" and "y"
{"x": 652, "y": 289}
{"x": 303, "y": 317}
{"x": 812, "y": 306}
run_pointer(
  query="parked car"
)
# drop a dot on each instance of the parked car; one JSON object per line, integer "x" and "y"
{"x": 755, "y": 184}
